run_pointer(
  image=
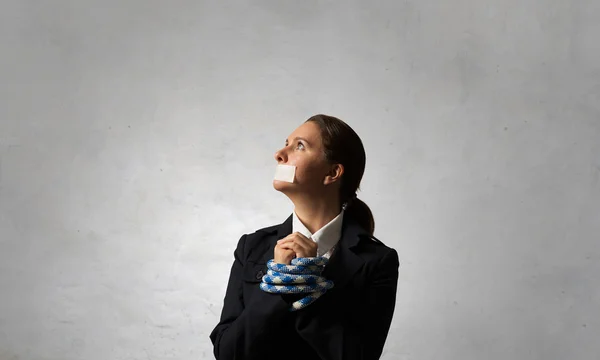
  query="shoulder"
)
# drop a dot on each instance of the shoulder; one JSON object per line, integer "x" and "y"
{"x": 375, "y": 251}
{"x": 255, "y": 243}
{"x": 266, "y": 230}
{"x": 262, "y": 233}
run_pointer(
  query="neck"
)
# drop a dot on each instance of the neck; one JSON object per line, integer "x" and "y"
{"x": 316, "y": 212}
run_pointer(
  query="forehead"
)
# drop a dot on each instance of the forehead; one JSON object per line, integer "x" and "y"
{"x": 308, "y": 130}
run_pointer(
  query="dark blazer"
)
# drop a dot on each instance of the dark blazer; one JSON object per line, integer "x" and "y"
{"x": 350, "y": 321}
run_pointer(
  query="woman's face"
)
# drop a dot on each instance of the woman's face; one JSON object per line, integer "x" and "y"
{"x": 304, "y": 149}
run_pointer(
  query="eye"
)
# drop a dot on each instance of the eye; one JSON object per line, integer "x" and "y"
{"x": 299, "y": 143}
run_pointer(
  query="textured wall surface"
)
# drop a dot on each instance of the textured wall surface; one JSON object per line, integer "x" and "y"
{"x": 137, "y": 141}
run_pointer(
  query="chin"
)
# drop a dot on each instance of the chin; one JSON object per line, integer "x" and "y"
{"x": 279, "y": 185}
{"x": 282, "y": 186}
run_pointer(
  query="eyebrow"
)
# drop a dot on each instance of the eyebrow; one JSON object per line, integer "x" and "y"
{"x": 300, "y": 138}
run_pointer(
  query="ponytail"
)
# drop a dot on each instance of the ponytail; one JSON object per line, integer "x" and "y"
{"x": 361, "y": 212}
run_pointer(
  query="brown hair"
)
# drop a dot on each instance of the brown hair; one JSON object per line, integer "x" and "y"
{"x": 343, "y": 146}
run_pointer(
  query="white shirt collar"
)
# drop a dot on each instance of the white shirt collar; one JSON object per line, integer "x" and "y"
{"x": 326, "y": 237}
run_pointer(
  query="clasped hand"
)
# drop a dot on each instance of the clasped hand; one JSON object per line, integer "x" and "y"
{"x": 295, "y": 245}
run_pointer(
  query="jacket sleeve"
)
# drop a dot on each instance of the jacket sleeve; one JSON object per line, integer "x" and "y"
{"x": 335, "y": 336}
{"x": 242, "y": 330}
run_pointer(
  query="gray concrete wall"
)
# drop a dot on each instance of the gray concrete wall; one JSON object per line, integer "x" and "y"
{"x": 137, "y": 141}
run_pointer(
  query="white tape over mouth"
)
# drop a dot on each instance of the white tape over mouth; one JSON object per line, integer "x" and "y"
{"x": 285, "y": 173}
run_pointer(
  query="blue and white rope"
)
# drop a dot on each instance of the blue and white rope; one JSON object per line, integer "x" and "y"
{"x": 301, "y": 277}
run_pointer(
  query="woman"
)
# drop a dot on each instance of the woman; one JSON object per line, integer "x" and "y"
{"x": 349, "y": 320}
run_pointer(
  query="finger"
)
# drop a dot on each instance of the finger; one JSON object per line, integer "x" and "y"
{"x": 297, "y": 249}
{"x": 302, "y": 245}
{"x": 285, "y": 240}
{"x": 307, "y": 244}
{"x": 301, "y": 236}
{"x": 306, "y": 251}
{"x": 288, "y": 252}
{"x": 295, "y": 237}
{"x": 291, "y": 246}
{"x": 287, "y": 246}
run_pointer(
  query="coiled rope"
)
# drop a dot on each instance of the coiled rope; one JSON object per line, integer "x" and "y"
{"x": 301, "y": 277}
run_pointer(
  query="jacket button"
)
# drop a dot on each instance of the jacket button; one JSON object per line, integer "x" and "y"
{"x": 259, "y": 275}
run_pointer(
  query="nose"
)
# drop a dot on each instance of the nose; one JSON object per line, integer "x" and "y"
{"x": 280, "y": 156}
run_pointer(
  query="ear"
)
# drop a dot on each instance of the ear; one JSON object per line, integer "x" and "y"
{"x": 335, "y": 174}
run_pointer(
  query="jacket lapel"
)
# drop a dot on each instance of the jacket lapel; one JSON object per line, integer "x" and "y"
{"x": 344, "y": 262}
{"x": 281, "y": 231}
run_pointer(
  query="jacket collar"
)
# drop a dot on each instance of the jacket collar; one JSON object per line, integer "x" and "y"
{"x": 344, "y": 262}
